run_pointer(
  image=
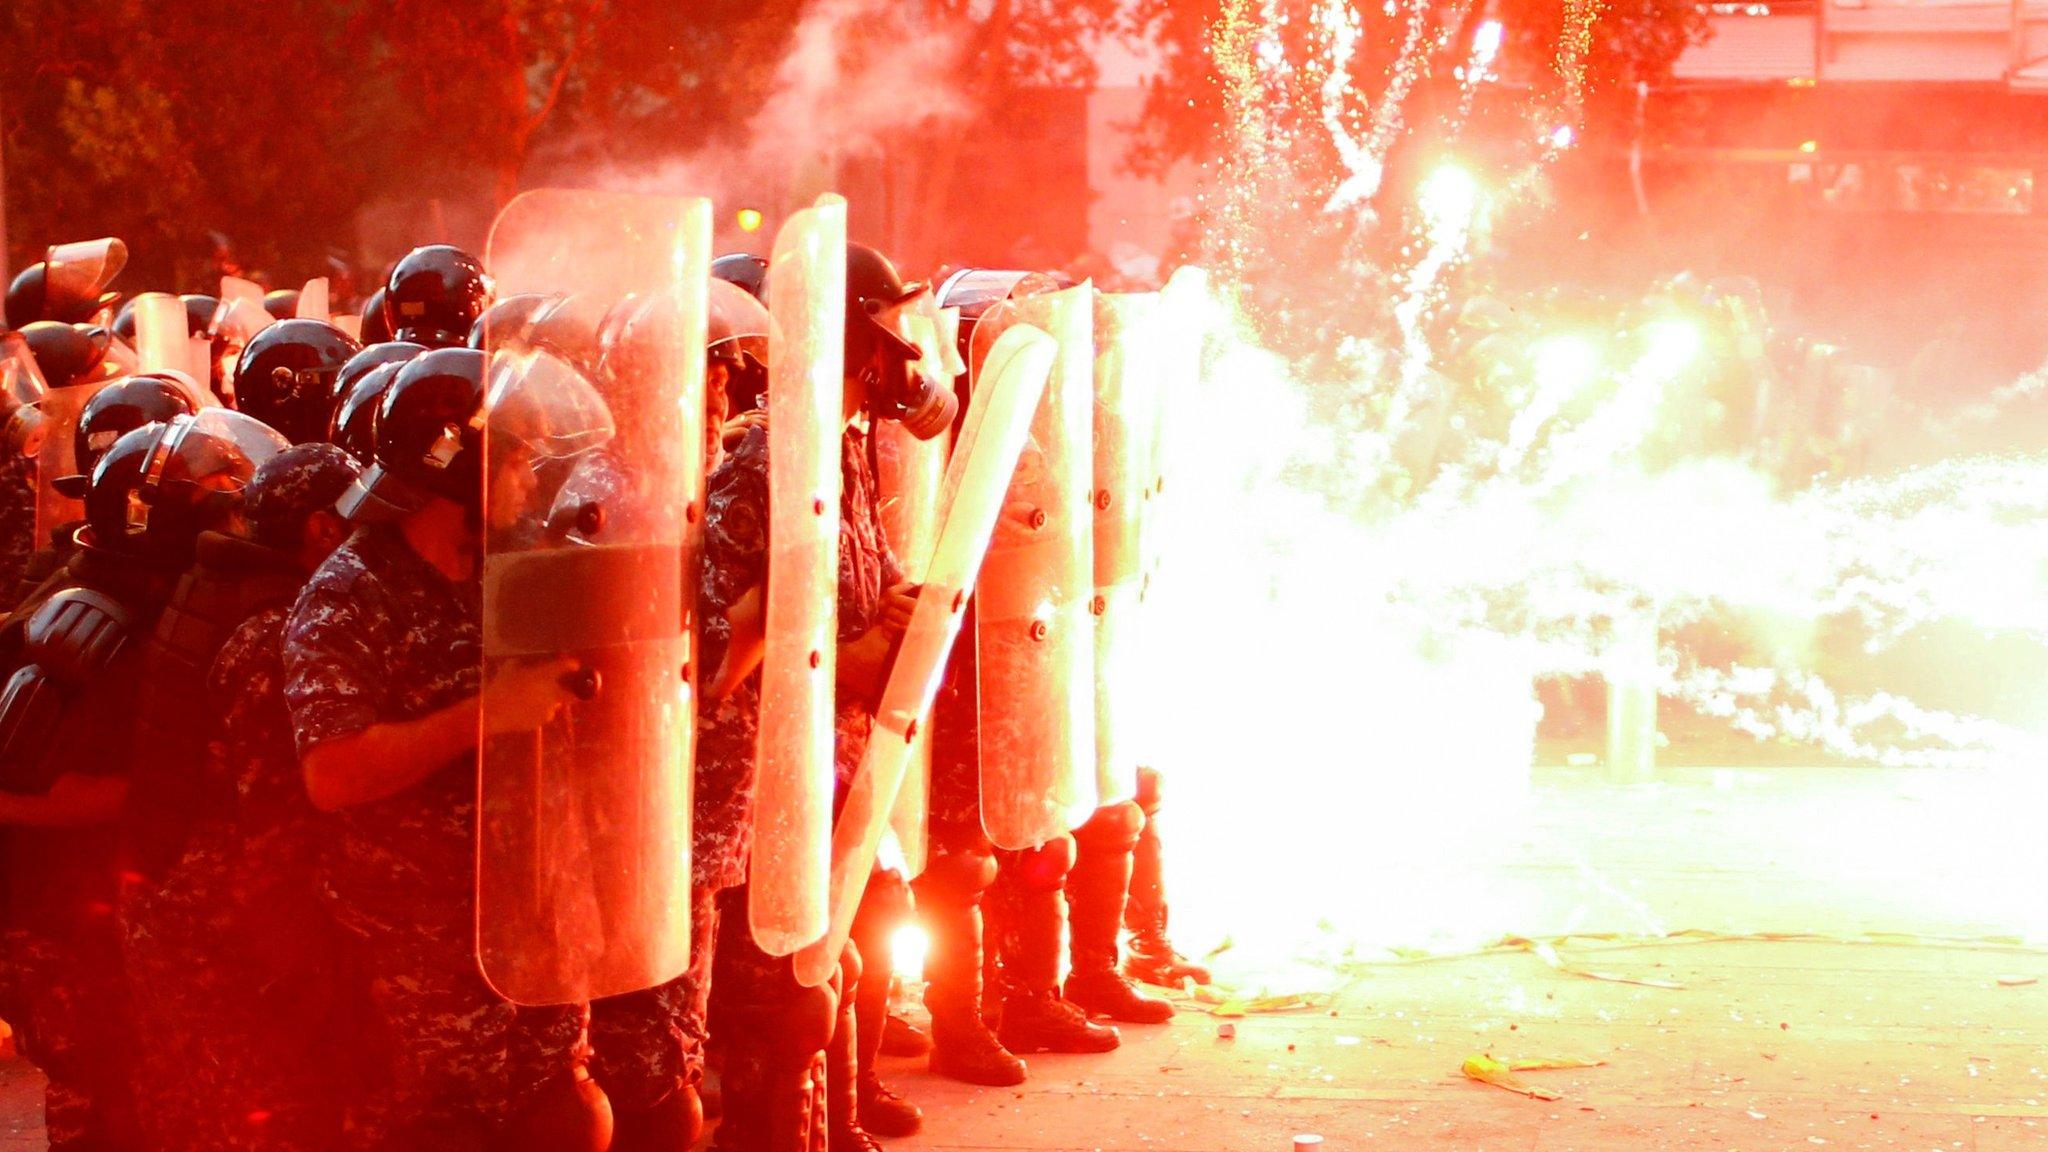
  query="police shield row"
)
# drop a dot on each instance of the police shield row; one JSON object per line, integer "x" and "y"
{"x": 441, "y": 727}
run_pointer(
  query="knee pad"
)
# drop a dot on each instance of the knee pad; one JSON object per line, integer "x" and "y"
{"x": 1149, "y": 785}
{"x": 1114, "y": 828}
{"x": 957, "y": 878}
{"x": 850, "y": 968}
{"x": 1044, "y": 868}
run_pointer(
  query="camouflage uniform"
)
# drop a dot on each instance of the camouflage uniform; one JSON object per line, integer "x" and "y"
{"x": 17, "y": 518}
{"x": 232, "y": 956}
{"x": 772, "y": 1021}
{"x": 380, "y": 636}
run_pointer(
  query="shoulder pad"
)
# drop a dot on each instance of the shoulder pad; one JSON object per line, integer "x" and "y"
{"x": 66, "y": 642}
{"x": 75, "y": 634}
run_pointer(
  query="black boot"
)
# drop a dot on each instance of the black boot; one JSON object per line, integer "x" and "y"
{"x": 1152, "y": 959}
{"x": 1042, "y": 1022}
{"x": 963, "y": 1048}
{"x": 902, "y": 1038}
{"x": 674, "y": 1125}
{"x": 1095, "y": 913}
{"x": 842, "y": 1082}
{"x": 771, "y": 1104}
{"x": 884, "y": 909}
{"x": 1035, "y": 1018}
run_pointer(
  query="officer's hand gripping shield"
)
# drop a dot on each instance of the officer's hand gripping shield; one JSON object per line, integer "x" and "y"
{"x": 593, "y": 508}
{"x": 974, "y": 489}
{"x": 1035, "y": 636}
{"x": 793, "y": 768}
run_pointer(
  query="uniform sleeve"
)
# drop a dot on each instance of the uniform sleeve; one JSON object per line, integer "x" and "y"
{"x": 736, "y": 524}
{"x": 332, "y": 666}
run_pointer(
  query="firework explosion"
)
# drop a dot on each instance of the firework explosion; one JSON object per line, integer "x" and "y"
{"x": 1373, "y": 562}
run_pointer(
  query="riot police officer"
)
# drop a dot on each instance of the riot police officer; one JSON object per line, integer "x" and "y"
{"x": 383, "y": 664}
{"x": 244, "y": 1040}
{"x": 66, "y": 765}
{"x": 777, "y": 1035}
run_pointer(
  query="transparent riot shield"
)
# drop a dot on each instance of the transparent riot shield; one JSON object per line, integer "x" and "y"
{"x": 162, "y": 340}
{"x": 313, "y": 301}
{"x": 1035, "y": 637}
{"x": 1127, "y": 361}
{"x": 908, "y": 476}
{"x": 793, "y": 758}
{"x": 56, "y": 512}
{"x": 592, "y": 512}
{"x": 976, "y": 485}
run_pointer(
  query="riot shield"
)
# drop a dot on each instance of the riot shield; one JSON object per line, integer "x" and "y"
{"x": 61, "y": 408}
{"x": 1126, "y": 364}
{"x": 162, "y": 336}
{"x": 313, "y": 303}
{"x": 793, "y": 757}
{"x": 1035, "y": 638}
{"x": 974, "y": 489}
{"x": 592, "y": 508}
{"x": 908, "y": 474}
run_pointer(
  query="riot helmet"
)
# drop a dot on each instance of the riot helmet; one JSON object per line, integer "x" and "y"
{"x": 200, "y": 311}
{"x": 22, "y": 390}
{"x": 355, "y": 419}
{"x": 360, "y": 364}
{"x": 159, "y": 486}
{"x": 435, "y": 295}
{"x": 68, "y": 284}
{"x": 744, "y": 269}
{"x": 286, "y": 376}
{"x": 507, "y": 321}
{"x": 428, "y": 438}
{"x": 571, "y": 328}
{"x": 893, "y": 342}
{"x": 376, "y": 326}
{"x": 282, "y": 303}
{"x": 67, "y": 354}
{"x": 121, "y": 408}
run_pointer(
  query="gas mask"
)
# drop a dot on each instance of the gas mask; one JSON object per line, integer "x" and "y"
{"x": 919, "y": 361}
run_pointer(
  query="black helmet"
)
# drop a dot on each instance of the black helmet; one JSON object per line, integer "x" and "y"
{"x": 161, "y": 485}
{"x": 571, "y": 328}
{"x": 881, "y": 347}
{"x": 429, "y": 438}
{"x": 435, "y": 295}
{"x": 282, "y": 303}
{"x": 118, "y": 409}
{"x": 124, "y": 320}
{"x": 507, "y": 320}
{"x": 376, "y": 326}
{"x": 744, "y": 269}
{"x": 372, "y": 355}
{"x": 68, "y": 285}
{"x": 355, "y": 419}
{"x": 286, "y": 376}
{"x": 199, "y": 313}
{"x": 67, "y": 354}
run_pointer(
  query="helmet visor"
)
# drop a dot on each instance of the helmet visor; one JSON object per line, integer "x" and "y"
{"x": 539, "y": 400}
{"x": 78, "y": 273}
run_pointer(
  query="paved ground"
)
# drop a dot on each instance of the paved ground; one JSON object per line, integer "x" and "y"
{"x": 1766, "y": 1045}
